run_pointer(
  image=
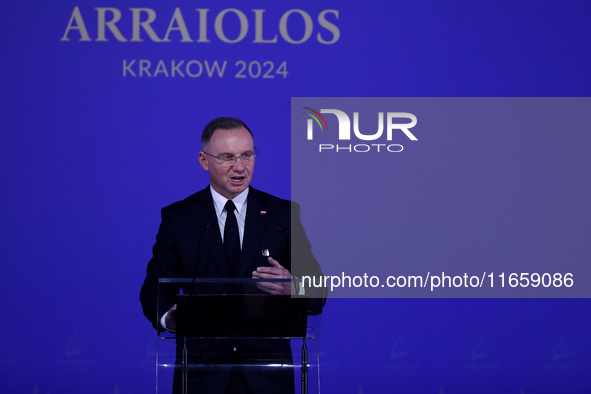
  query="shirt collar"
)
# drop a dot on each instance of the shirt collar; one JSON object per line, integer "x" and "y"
{"x": 219, "y": 201}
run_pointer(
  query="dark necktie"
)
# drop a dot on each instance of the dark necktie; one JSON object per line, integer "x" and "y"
{"x": 231, "y": 239}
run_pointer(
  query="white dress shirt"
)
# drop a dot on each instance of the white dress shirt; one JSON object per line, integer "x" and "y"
{"x": 219, "y": 202}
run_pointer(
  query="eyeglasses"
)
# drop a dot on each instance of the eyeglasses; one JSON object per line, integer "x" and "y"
{"x": 230, "y": 160}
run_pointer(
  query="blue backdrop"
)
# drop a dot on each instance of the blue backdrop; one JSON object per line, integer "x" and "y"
{"x": 102, "y": 111}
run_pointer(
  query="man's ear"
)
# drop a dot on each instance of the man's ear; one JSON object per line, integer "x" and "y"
{"x": 203, "y": 161}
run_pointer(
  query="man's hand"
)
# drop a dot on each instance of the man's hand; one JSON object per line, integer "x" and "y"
{"x": 276, "y": 271}
{"x": 169, "y": 320}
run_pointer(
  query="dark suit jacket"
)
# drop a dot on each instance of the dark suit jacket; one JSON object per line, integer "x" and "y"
{"x": 189, "y": 245}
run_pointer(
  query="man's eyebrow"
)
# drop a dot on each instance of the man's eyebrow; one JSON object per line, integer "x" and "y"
{"x": 232, "y": 154}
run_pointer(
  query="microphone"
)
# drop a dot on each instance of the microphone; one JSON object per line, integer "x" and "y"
{"x": 202, "y": 229}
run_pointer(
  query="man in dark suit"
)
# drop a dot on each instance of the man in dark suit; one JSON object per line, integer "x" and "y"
{"x": 230, "y": 230}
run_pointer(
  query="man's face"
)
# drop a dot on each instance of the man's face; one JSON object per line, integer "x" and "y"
{"x": 232, "y": 180}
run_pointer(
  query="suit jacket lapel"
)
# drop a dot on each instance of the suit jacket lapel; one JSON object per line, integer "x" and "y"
{"x": 253, "y": 231}
{"x": 204, "y": 213}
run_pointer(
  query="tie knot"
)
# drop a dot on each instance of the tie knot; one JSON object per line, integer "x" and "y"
{"x": 230, "y": 207}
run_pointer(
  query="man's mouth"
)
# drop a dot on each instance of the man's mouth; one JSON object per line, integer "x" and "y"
{"x": 237, "y": 179}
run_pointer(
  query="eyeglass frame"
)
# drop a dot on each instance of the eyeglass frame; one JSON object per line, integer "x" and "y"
{"x": 255, "y": 154}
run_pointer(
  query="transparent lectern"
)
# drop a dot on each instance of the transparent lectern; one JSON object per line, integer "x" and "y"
{"x": 230, "y": 333}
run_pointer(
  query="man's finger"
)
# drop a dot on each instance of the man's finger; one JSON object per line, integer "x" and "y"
{"x": 274, "y": 262}
{"x": 268, "y": 270}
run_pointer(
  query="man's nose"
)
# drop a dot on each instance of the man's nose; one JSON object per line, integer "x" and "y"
{"x": 238, "y": 164}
